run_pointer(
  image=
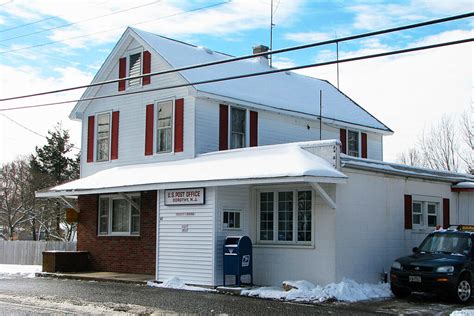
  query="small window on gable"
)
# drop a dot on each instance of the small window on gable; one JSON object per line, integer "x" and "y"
{"x": 231, "y": 220}
{"x": 238, "y": 128}
{"x": 135, "y": 68}
{"x": 103, "y": 136}
{"x": 164, "y": 137}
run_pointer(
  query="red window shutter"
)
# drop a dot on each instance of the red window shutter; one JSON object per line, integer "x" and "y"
{"x": 178, "y": 125}
{"x": 149, "y": 129}
{"x": 223, "y": 127}
{"x": 253, "y": 128}
{"x": 446, "y": 213}
{"x": 343, "y": 138}
{"x": 122, "y": 73}
{"x": 115, "y": 135}
{"x": 90, "y": 138}
{"x": 408, "y": 212}
{"x": 364, "y": 145}
{"x": 146, "y": 67}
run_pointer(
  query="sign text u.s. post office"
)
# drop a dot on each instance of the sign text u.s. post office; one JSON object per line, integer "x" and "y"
{"x": 195, "y": 196}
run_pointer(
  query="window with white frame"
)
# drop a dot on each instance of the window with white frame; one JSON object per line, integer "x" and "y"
{"x": 135, "y": 68}
{"x": 425, "y": 213}
{"x": 103, "y": 136}
{"x": 117, "y": 216}
{"x": 164, "y": 135}
{"x": 353, "y": 143}
{"x": 238, "y": 128}
{"x": 285, "y": 216}
{"x": 231, "y": 219}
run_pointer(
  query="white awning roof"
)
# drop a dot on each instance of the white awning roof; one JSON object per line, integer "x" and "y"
{"x": 266, "y": 164}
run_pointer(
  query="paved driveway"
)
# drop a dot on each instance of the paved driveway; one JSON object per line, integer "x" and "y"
{"x": 46, "y": 296}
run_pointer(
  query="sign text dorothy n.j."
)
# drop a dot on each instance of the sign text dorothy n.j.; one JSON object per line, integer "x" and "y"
{"x": 185, "y": 196}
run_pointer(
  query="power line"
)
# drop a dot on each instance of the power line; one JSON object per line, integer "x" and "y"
{"x": 233, "y": 59}
{"x": 81, "y": 21}
{"x": 273, "y": 71}
{"x": 27, "y": 24}
{"x": 113, "y": 29}
{"x": 28, "y": 129}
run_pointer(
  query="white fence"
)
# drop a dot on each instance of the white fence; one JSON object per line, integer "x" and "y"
{"x": 29, "y": 252}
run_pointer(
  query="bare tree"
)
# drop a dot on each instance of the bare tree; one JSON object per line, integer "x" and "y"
{"x": 16, "y": 198}
{"x": 446, "y": 145}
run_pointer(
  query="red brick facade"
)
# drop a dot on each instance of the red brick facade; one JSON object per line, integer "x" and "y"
{"x": 130, "y": 254}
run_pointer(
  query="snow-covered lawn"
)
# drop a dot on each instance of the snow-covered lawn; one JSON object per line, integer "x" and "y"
{"x": 464, "y": 312}
{"x": 177, "y": 283}
{"x": 304, "y": 291}
{"x": 9, "y": 271}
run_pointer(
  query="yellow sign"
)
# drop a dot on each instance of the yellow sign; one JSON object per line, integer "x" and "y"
{"x": 467, "y": 228}
{"x": 71, "y": 216}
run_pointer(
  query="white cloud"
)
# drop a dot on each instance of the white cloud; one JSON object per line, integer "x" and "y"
{"x": 282, "y": 62}
{"x": 230, "y": 18}
{"x": 15, "y": 140}
{"x": 409, "y": 92}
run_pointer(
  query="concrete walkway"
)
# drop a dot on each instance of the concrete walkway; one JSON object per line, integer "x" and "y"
{"x": 100, "y": 276}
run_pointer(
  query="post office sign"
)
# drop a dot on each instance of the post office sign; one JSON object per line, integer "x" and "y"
{"x": 195, "y": 196}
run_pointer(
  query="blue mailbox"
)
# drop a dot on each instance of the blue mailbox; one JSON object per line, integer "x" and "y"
{"x": 238, "y": 257}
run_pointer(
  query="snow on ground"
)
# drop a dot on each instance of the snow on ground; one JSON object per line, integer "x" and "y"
{"x": 9, "y": 271}
{"x": 463, "y": 312}
{"x": 304, "y": 291}
{"x": 177, "y": 283}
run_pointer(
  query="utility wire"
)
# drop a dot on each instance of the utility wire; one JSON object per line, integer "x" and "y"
{"x": 28, "y": 129}
{"x": 27, "y": 24}
{"x": 115, "y": 28}
{"x": 273, "y": 71}
{"x": 78, "y": 22}
{"x": 233, "y": 59}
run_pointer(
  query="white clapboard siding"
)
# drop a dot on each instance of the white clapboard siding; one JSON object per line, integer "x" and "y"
{"x": 230, "y": 198}
{"x": 466, "y": 209}
{"x": 273, "y": 129}
{"x": 132, "y": 117}
{"x": 187, "y": 255}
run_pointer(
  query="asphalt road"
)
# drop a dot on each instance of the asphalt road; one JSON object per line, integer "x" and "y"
{"x": 51, "y": 296}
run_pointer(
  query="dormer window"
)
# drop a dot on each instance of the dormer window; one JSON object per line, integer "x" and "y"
{"x": 135, "y": 68}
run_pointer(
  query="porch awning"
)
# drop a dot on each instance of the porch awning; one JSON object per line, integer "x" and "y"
{"x": 284, "y": 163}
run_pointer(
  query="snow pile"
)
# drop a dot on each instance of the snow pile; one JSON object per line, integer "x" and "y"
{"x": 463, "y": 312}
{"x": 177, "y": 283}
{"x": 304, "y": 291}
{"x": 9, "y": 271}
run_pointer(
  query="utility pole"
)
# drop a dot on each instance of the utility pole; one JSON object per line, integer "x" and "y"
{"x": 320, "y": 114}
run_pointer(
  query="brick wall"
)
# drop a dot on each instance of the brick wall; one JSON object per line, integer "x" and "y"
{"x": 130, "y": 254}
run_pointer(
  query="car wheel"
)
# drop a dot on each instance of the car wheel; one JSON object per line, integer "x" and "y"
{"x": 463, "y": 291}
{"x": 400, "y": 292}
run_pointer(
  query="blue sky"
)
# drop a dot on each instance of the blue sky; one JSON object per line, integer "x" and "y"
{"x": 418, "y": 86}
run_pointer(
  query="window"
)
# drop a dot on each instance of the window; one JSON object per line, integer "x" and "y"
{"x": 103, "y": 136}
{"x": 135, "y": 68}
{"x": 425, "y": 213}
{"x": 353, "y": 143}
{"x": 288, "y": 213}
{"x": 238, "y": 126}
{"x": 118, "y": 217}
{"x": 231, "y": 220}
{"x": 164, "y": 139}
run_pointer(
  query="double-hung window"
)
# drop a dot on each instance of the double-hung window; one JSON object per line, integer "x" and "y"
{"x": 353, "y": 143}
{"x": 238, "y": 128}
{"x": 103, "y": 136}
{"x": 118, "y": 216}
{"x": 164, "y": 138}
{"x": 425, "y": 213}
{"x": 285, "y": 216}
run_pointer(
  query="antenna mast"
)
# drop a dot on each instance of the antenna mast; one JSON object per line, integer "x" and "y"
{"x": 270, "y": 57}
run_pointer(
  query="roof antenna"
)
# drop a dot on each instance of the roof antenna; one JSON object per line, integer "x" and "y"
{"x": 337, "y": 60}
{"x": 270, "y": 56}
{"x": 320, "y": 114}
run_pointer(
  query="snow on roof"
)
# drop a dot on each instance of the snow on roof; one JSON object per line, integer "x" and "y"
{"x": 287, "y": 91}
{"x": 267, "y": 164}
{"x": 404, "y": 170}
{"x": 467, "y": 186}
